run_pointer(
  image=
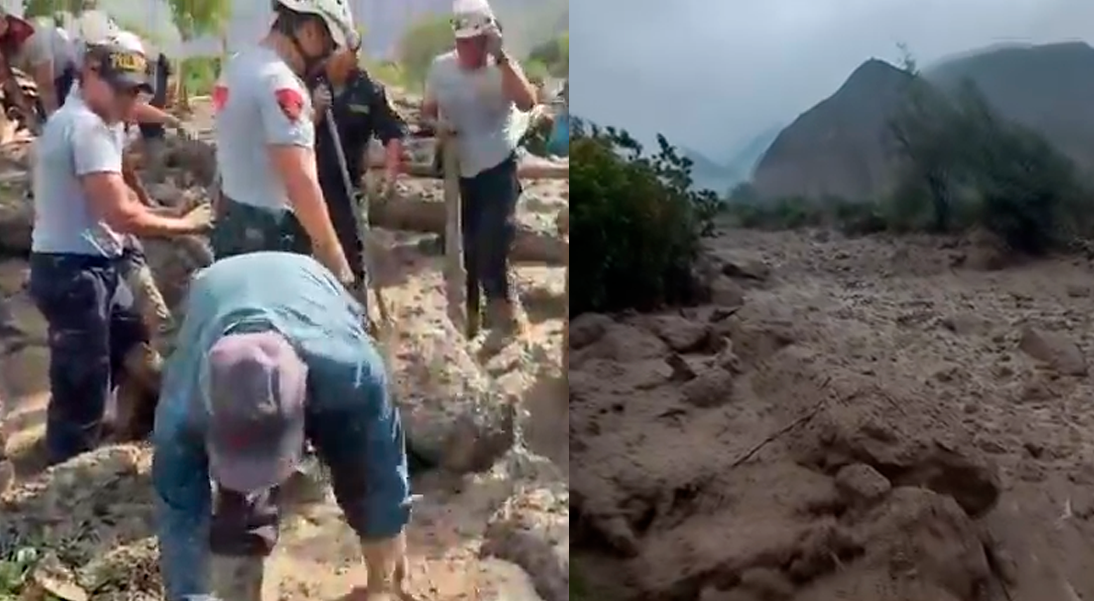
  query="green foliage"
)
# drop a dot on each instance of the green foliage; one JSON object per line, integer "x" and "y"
{"x": 422, "y": 42}
{"x": 554, "y": 55}
{"x": 15, "y": 566}
{"x": 200, "y": 74}
{"x": 198, "y": 17}
{"x": 970, "y": 167}
{"x": 637, "y": 218}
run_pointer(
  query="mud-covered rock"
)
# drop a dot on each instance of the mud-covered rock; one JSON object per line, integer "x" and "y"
{"x": 861, "y": 483}
{"x": 1055, "y": 350}
{"x": 452, "y": 413}
{"x": 532, "y": 530}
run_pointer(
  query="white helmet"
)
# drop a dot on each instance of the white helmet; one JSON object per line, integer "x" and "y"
{"x": 128, "y": 40}
{"x": 471, "y": 18}
{"x": 335, "y": 13}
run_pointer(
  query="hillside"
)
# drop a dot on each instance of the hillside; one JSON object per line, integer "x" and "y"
{"x": 1046, "y": 88}
{"x": 839, "y": 146}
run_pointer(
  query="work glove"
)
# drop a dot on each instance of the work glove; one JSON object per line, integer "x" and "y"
{"x": 494, "y": 43}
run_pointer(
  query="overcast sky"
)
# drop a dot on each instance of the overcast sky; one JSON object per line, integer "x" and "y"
{"x": 711, "y": 74}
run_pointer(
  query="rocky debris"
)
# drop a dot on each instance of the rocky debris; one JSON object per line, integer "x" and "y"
{"x": 532, "y": 530}
{"x": 861, "y": 483}
{"x": 1053, "y": 349}
{"x": 452, "y": 413}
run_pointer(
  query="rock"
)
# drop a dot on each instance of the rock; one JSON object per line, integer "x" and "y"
{"x": 626, "y": 344}
{"x": 710, "y": 388}
{"x": 16, "y": 219}
{"x": 532, "y": 530}
{"x": 1054, "y": 349}
{"x": 724, "y": 292}
{"x": 962, "y": 474}
{"x": 860, "y": 483}
{"x": 768, "y": 584}
{"x": 588, "y": 328}
{"x": 51, "y": 580}
{"x": 681, "y": 334}
{"x": 452, "y": 414}
{"x": 740, "y": 265}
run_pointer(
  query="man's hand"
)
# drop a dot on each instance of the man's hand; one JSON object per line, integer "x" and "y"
{"x": 334, "y": 259}
{"x": 200, "y": 218}
{"x": 321, "y": 98}
{"x": 495, "y": 46}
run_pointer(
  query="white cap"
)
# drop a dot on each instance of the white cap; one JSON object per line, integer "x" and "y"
{"x": 471, "y": 18}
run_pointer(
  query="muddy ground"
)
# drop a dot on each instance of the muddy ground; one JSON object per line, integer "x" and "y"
{"x": 500, "y": 532}
{"x": 872, "y": 419}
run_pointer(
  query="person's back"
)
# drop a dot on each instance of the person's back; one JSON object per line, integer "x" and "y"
{"x": 288, "y": 292}
{"x": 259, "y": 102}
{"x": 475, "y": 104}
{"x": 64, "y": 222}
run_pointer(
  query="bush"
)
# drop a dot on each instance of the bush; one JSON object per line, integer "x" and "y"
{"x": 639, "y": 223}
{"x": 965, "y": 166}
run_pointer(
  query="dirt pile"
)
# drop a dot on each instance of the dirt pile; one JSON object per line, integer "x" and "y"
{"x": 865, "y": 422}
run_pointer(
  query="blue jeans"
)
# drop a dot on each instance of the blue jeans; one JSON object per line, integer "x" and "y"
{"x": 93, "y": 324}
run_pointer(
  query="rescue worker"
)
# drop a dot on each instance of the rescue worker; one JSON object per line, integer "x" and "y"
{"x": 361, "y": 109}
{"x": 479, "y": 90}
{"x": 14, "y": 34}
{"x": 83, "y": 211}
{"x": 49, "y": 57}
{"x": 272, "y": 351}
{"x": 153, "y": 134}
{"x": 265, "y": 138}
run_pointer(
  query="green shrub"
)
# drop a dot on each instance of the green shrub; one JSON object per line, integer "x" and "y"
{"x": 638, "y": 222}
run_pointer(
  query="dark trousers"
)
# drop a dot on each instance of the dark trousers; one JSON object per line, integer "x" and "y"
{"x": 488, "y": 208}
{"x": 93, "y": 324}
{"x": 242, "y": 228}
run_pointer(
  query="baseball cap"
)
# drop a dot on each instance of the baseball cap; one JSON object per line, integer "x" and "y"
{"x": 120, "y": 65}
{"x": 255, "y": 387}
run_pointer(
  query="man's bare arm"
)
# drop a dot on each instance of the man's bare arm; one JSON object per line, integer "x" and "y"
{"x": 110, "y": 199}
{"x": 516, "y": 86}
{"x": 298, "y": 171}
{"x": 148, "y": 114}
{"x": 43, "y": 76}
{"x": 129, "y": 175}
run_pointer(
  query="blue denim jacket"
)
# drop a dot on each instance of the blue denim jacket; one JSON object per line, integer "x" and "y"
{"x": 350, "y": 412}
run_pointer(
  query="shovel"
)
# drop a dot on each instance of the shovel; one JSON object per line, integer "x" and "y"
{"x": 360, "y": 218}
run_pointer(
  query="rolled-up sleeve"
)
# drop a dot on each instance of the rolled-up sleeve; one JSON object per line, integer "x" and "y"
{"x": 357, "y": 430}
{"x": 180, "y": 477}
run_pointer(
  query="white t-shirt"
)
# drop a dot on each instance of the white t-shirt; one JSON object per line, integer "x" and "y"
{"x": 489, "y": 124}
{"x": 75, "y": 142}
{"x": 259, "y": 103}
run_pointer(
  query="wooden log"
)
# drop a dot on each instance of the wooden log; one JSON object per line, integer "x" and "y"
{"x": 418, "y": 215}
